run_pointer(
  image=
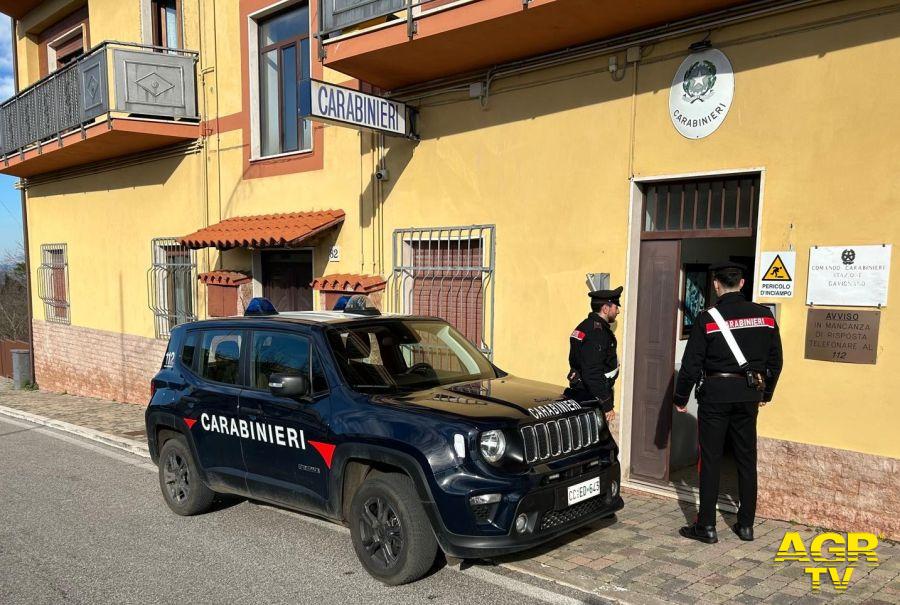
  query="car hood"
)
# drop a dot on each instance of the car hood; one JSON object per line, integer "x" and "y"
{"x": 508, "y": 397}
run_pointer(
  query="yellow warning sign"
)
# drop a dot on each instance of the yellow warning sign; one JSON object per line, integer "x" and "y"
{"x": 777, "y": 271}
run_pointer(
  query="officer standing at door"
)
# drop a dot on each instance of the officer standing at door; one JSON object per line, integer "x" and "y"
{"x": 734, "y": 356}
{"x": 593, "y": 360}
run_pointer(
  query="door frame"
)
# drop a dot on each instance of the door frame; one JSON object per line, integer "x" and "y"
{"x": 256, "y": 266}
{"x": 632, "y": 264}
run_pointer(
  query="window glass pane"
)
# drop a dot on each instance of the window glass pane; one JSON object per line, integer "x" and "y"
{"x": 650, "y": 213}
{"x": 278, "y": 353}
{"x": 171, "y": 16}
{"x": 673, "y": 207}
{"x": 220, "y": 356}
{"x": 289, "y": 130}
{"x": 305, "y": 125}
{"x": 189, "y": 349}
{"x": 715, "y": 217}
{"x": 268, "y": 104}
{"x": 284, "y": 26}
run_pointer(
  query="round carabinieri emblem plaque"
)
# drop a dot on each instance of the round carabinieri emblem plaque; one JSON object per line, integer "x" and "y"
{"x": 701, "y": 93}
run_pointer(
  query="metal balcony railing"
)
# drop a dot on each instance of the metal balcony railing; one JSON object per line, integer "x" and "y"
{"x": 132, "y": 79}
{"x": 339, "y": 15}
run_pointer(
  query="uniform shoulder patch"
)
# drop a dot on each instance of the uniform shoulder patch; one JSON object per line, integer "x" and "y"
{"x": 577, "y": 335}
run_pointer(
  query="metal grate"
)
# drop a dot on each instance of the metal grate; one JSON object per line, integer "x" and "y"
{"x": 545, "y": 440}
{"x": 447, "y": 272}
{"x": 573, "y": 513}
{"x": 53, "y": 283}
{"x": 701, "y": 208}
{"x": 172, "y": 284}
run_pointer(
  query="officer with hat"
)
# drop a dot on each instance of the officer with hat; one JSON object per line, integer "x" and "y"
{"x": 593, "y": 363}
{"x": 734, "y": 357}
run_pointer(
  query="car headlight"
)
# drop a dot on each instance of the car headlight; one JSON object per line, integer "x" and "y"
{"x": 492, "y": 445}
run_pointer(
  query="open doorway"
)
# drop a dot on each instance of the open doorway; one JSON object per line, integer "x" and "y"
{"x": 687, "y": 225}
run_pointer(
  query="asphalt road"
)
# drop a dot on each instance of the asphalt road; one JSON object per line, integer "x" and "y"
{"x": 80, "y": 523}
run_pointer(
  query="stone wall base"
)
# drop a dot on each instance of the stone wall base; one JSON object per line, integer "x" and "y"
{"x": 828, "y": 487}
{"x": 95, "y": 363}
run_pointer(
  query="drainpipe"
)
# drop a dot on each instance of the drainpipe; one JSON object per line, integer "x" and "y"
{"x": 29, "y": 307}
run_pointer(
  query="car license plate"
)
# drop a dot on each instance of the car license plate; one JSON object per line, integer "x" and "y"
{"x": 584, "y": 490}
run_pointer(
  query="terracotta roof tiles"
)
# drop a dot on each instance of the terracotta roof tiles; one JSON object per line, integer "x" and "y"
{"x": 263, "y": 231}
{"x": 224, "y": 278}
{"x": 349, "y": 282}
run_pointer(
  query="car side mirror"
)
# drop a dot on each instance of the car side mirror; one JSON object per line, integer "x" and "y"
{"x": 285, "y": 385}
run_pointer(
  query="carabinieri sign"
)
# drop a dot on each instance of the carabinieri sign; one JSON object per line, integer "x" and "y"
{"x": 325, "y": 102}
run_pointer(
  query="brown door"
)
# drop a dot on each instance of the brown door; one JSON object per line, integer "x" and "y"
{"x": 654, "y": 364}
{"x": 286, "y": 279}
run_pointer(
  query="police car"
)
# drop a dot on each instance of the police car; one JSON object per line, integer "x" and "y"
{"x": 393, "y": 425}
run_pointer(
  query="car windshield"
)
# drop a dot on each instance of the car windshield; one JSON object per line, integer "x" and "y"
{"x": 398, "y": 355}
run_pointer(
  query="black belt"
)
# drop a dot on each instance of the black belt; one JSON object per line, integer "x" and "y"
{"x": 726, "y": 375}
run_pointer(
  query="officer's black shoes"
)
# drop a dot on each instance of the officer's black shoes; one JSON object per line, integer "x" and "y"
{"x": 744, "y": 533}
{"x": 701, "y": 533}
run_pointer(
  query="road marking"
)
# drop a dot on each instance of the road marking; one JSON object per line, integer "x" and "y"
{"x": 126, "y": 458}
{"x": 480, "y": 573}
{"x": 129, "y": 445}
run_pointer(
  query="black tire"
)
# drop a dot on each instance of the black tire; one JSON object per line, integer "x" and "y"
{"x": 179, "y": 480}
{"x": 394, "y": 540}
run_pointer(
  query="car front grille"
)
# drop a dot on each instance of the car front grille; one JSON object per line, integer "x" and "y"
{"x": 483, "y": 512}
{"x": 576, "y": 511}
{"x": 545, "y": 440}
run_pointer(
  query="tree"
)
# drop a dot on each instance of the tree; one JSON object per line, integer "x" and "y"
{"x": 14, "y": 296}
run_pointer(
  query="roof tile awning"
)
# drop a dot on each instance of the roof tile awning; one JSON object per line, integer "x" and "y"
{"x": 264, "y": 231}
{"x": 349, "y": 282}
{"x": 224, "y": 278}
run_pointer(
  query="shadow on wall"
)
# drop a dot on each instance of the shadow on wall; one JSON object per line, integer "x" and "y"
{"x": 589, "y": 83}
{"x": 131, "y": 177}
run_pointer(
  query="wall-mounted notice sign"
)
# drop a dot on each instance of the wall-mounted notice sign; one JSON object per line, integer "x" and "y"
{"x": 325, "y": 102}
{"x": 776, "y": 274}
{"x": 849, "y": 276}
{"x": 842, "y": 335}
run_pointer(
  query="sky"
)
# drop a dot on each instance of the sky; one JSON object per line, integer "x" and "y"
{"x": 10, "y": 204}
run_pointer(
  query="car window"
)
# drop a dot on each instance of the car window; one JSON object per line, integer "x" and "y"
{"x": 278, "y": 353}
{"x": 220, "y": 355}
{"x": 188, "y": 349}
{"x": 394, "y": 354}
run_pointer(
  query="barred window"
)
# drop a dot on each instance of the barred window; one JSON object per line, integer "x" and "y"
{"x": 447, "y": 272}
{"x": 172, "y": 284}
{"x": 53, "y": 283}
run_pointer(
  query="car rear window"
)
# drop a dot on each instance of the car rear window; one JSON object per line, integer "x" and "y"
{"x": 220, "y": 356}
{"x": 189, "y": 349}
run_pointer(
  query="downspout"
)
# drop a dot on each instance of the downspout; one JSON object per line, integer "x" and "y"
{"x": 15, "y": 65}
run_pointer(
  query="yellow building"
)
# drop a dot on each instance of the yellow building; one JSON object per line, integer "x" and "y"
{"x": 169, "y": 176}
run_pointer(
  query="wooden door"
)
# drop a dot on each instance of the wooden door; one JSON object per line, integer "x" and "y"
{"x": 654, "y": 371}
{"x": 286, "y": 280}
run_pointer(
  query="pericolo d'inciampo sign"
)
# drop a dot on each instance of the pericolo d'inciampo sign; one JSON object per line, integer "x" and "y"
{"x": 701, "y": 93}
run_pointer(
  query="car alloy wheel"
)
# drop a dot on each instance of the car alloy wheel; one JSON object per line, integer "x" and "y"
{"x": 176, "y": 477}
{"x": 381, "y": 532}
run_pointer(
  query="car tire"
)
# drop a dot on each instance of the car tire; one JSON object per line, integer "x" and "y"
{"x": 179, "y": 479}
{"x": 391, "y": 532}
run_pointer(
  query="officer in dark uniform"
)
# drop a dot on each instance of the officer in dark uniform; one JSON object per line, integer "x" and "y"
{"x": 729, "y": 394}
{"x": 593, "y": 362}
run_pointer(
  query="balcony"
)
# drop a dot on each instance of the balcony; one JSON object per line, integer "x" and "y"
{"x": 396, "y": 43}
{"x": 116, "y": 100}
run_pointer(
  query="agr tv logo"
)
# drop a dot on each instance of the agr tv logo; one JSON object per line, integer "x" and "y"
{"x": 831, "y": 550}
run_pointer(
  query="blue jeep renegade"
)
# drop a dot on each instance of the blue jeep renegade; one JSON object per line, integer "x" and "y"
{"x": 396, "y": 426}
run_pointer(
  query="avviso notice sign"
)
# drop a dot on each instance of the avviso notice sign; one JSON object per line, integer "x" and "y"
{"x": 842, "y": 336}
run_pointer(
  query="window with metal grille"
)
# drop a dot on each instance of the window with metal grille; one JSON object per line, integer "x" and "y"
{"x": 447, "y": 272}
{"x": 172, "y": 284}
{"x": 53, "y": 283}
{"x": 705, "y": 207}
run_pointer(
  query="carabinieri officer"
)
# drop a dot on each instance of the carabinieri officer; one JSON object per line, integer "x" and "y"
{"x": 593, "y": 361}
{"x": 734, "y": 356}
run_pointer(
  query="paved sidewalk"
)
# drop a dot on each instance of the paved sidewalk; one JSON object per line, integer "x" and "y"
{"x": 636, "y": 558}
